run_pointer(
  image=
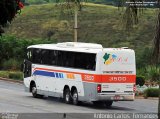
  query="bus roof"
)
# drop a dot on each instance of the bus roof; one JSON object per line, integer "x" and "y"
{"x": 75, "y": 46}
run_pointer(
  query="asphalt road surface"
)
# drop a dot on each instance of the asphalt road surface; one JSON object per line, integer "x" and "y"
{"x": 13, "y": 99}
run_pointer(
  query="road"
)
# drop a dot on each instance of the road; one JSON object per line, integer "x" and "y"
{"x": 13, "y": 99}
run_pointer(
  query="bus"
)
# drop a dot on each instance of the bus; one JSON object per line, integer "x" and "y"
{"x": 80, "y": 72}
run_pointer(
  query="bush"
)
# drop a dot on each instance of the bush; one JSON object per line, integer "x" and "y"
{"x": 151, "y": 92}
{"x": 16, "y": 75}
{"x": 11, "y": 75}
{"x": 140, "y": 80}
{"x": 11, "y": 64}
{"x": 37, "y": 1}
{"x": 4, "y": 74}
{"x": 153, "y": 72}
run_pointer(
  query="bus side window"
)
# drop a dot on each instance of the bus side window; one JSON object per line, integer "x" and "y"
{"x": 37, "y": 56}
{"x": 90, "y": 61}
{"x": 79, "y": 61}
{"x": 60, "y": 61}
{"x": 45, "y": 56}
{"x": 65, "y": 59}
{"x": 85, "y": 61}
{"x": 70, "y": 59}
{"x": 53, "y": 55}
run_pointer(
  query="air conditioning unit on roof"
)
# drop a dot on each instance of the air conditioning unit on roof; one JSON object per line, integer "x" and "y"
{"x": 80, "y": 45}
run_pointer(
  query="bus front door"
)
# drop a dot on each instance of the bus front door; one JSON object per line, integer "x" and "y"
{"x": 27, "y": 68}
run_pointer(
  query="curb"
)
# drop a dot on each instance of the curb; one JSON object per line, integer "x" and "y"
{"x": 150, "y": 98}
{"x": 11, "y": 80}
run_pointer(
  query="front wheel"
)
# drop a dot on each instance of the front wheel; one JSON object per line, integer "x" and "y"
{"x": 34, "y": 92}
{"x": 67, "y": 96}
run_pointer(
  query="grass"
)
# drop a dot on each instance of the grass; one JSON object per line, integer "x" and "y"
{"x": 16, "y": 75}
{"x": 4, "y": 74}
{"x": 97, "y": 23}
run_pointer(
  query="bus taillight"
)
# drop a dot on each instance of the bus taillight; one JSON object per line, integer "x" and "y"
{"x": 99, "y": 88}
{"x": 134, "y": 87}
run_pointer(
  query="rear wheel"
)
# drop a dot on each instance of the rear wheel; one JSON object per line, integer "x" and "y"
{"x": 108, "y": 103}
{"x": 75, "y": 97}
{"x": 67, "y": 96}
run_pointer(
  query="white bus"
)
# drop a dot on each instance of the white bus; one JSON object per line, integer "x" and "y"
{"x": 80, "y": 72}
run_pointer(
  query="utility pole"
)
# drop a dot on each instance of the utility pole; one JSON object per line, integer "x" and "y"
{"x": 75, "y": 25}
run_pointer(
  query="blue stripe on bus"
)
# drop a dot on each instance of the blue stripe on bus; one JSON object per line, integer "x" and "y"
{"x": 61, "y": 75}
{"x": 50, "y": 74}
{"x": 57, "y": 76}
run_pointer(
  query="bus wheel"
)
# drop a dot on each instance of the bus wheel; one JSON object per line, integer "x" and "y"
{"x": 75, "y": 97}
{"x": 34, "y": 92}
{"x": 108, "y": 103}
{"x": 67, "y": 96}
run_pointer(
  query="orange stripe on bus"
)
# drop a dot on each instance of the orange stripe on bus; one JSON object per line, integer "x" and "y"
{"x": 70, "y": 76}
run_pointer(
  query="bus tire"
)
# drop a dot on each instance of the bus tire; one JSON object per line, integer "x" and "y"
{"x": 67, "y": 96}
{"x": 75, "y": 97}
{"x": 108, "y": 103}
{"x": 34, "y": 92}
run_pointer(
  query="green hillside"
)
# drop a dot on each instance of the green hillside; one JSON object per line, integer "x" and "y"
{"x": 97, "y": 23}
{"x": 109, "y": 2}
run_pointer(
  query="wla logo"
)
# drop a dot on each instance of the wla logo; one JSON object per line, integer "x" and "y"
{"x": 110, "y": 58}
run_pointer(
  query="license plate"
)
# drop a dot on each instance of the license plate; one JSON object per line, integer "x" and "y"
{"x": 117, "y": 97}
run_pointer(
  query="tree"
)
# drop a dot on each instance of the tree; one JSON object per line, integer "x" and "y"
{"x": 140, "y": 80}
{"x": 75, "y": 5}
{"x": 8, "y": 10}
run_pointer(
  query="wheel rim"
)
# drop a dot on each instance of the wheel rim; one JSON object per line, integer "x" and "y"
{"x": 34, "y": 90}
{"x": 67, "y": 97}
{"x": 75, "y": 96}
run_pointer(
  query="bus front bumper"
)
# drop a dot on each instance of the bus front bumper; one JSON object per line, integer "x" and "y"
{"x": 116, "y": 97}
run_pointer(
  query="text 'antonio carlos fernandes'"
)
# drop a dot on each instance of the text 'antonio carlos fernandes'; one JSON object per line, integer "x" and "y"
{"x": 125, "y": 116}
